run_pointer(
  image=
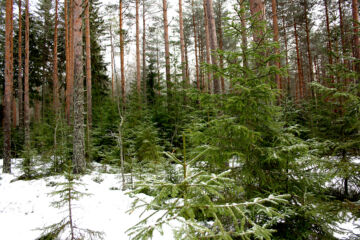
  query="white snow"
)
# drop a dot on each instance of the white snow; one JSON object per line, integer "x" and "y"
{"x": 25, "y": 206}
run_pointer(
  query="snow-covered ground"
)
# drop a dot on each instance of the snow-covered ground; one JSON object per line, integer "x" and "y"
{"x": 25, "y": 206}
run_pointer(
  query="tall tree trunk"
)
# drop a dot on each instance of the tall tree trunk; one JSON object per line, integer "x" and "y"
{"x": 26, "y": 78}
{"x": 182, "y": 45}
{"x": 213, "y": 42}
{"x": 138, "y": 67}
{"x": 328, "y": 32}
{"x": 257, "y": 9}
{"x": 88, "y": 77}
{"x": 207, "y": 37}
{"x": 14, "y": 111}
{"x": 70, "y": 80}
{"x": 79, "y": 163}
{"x": 276, "y": 39}
{"x": 221, "y": 42}
{"x": 67, "y": 57}
{"x": 298, "y": 58}
{"x": 307, "y": 29}
{"x": 55, "y": 63}
{"x": 243, "y": 34}
{"x": 20, "y": 72}
{"x": 8, "y": 88}
{"x": 167, "y": 51}
{"x": 144, "y": 52}
{"x": 195, "y": 46}
{"x": 355, "y": 14}
{"x": 286, "y": 55}
{"x": 122, "y": 59}
{"x": 13, "y": 95}
{"x": 112, "y": 64}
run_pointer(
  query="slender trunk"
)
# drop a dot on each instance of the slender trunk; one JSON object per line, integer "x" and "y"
{"x": 88, "y": 66}
{"x": 167, "y": 51}
{"x": 213, "y": 42}
{"x": 8, "y": 88}
{"x": 187, "y": 71}
{"x": 138, "y": 67}
{"x": 195, "y": 46}
{"x": 55, "y": 63}
{"x": 307, "y": 29}
{"x": 79, "y": 138}
{"x": 26, "y": 78}
{"x": 67, "y": 57}
{"x": 276, "y": 39}
{"x": 342, "y": 35}
{"x": 20, "y": 72}
{"x": 88, "y": 77}
{"x": 221, "y": 44}
{"x": 112, "y": 65}
{"x": 144, "y": 52}
{"x": 355, "y": 14}
{"x": 243, "y": 34}
{"x": 13, "y": 95}
{"x": 182, "y": 45}
{"x": 207, "y": 37}
{"x": 286, "y": 55}
{"x": 298, "y": 58}
{"x": 328, "y": 32}
{"x": 122, "y": 63}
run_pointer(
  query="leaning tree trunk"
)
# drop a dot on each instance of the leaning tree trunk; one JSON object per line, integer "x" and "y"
{"x": 79, "y": 163}
{"x": 8, "y": 88}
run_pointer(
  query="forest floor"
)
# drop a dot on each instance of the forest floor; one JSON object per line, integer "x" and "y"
{"x": 25, "y": 206}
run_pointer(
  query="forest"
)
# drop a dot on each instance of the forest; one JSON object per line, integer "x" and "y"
{"x": 179, "y": 119}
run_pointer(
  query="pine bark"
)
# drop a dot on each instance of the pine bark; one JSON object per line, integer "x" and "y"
{"x": 122, "y": 61}
{"x": 257, "y": 9}
{"x": 182, "y": 45}
{"x": 8, "y": 88}
{"x": 20, "y": 72}
{"x": 26, "y": 78}
{"x": 55, "y": 63}
{"x": 167, "y": 51}
{"x": 195, "y": 46}
{"x": 70, "y": 78}
{"x": 276, "y": 39}
{"x": 138, "y": 67}
{"x": 88, "y": 66}
{"x": 79, "y": 163}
